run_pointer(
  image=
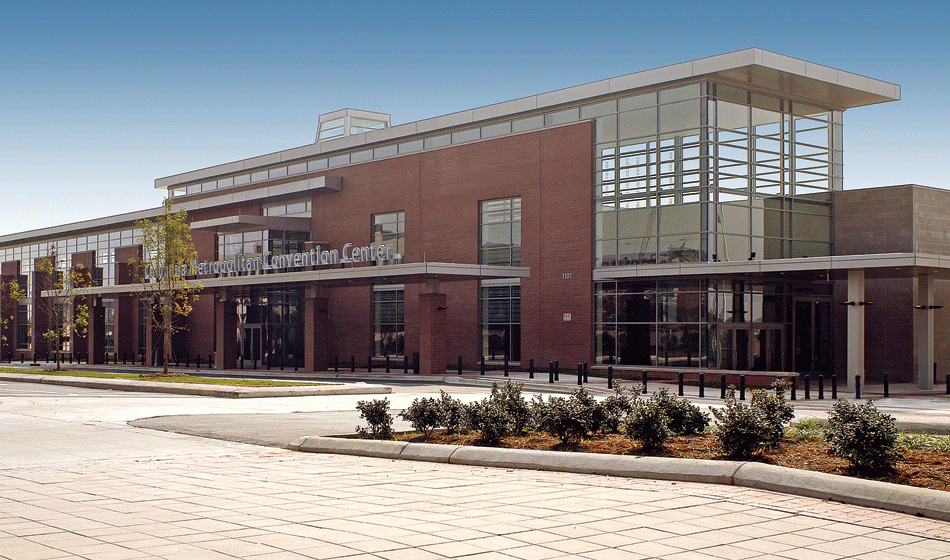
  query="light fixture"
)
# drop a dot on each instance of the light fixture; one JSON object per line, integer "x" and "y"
{"x": 846, "y": 303}
{"x": 865, "y": 303}
{"x": 752, "y": 256}
{"x": 928, "y": 307}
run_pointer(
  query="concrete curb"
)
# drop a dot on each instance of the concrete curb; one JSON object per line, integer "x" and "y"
{"x": 923, "y": 502}
{"x": 196, "y": 388}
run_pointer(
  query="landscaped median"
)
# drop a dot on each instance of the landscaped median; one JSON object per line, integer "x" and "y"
{"x": 933, "y": 504}
{"x": 190, "y": 385}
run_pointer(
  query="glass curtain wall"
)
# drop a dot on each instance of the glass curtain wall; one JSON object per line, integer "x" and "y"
{"x": 389, "y": 323}
{"x": 270, "y": 327}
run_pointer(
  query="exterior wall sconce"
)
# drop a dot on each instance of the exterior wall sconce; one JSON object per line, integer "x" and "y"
{"x": 752, "y": 256}
{"x": 861, "y": 303}
{"x": 715, "y": 257}
{"x": 441, "y": 308}
{"x": 928, "y": 307}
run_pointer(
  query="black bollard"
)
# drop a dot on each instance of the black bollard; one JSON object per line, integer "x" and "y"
{"x": 530, "y": 368}
{"x": 680, "y": 384}
{"x": 387, "y": 363}
{"x": 580, "y": 374}
{"x": 267, "y": 363}
{"x": 115, "y": 358}
{"x": 240, "y": 362}
{"x": 644, "y": 379}
{"x": 369, "y": 364}
{"x": 21, "y": 358}
{"x": 415, "y": 363}
{"x": 336, "y": 364}
{"x": 610, "y": 377}
{"x": 551, "y": 372}
{"x": 282, "y": 363}
{"x": 460, "y": 365}
{"x": 834, "y": 387}
{"x": 722, "y": 386}
{"x": 741, "y": 387}
{"x": 198, "y": 362}
{"x": 352, "y": 364}
{"x": 405, "y": 364}
{"x": 702, "y": 385}
{"x": 506, "y": 365}
{"x": 821, "y": 387}
{"x": 585, "y": 372}
{"x": 857, "y": 387}
{"x": 807, "y": 388}
{"x": 887, "y": 386}
{"x": 557, "y": 370}
{"x": 481, "y": 370}
{"x": 794, "y": 387}
{"x": 947, "y": 380}
{"x": 177, "y": 361}
{"x": 210, "y": 361}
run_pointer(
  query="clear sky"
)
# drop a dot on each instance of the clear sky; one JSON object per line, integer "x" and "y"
{"x": 98, "y": 99}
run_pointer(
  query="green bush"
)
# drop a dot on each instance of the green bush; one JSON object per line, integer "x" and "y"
{"x": 508, "y": 397}
{"x": 424, "y": 414}
{"x": 773, "y": 412}
{"x": 683, "y": 417}
{"x": 376, "y": 414}
{"x": 647, "y": 424}
{"x": 562, "y": 418}
{"x": 451, "y": 413}
{"x": 863, "y": 436}
{"x": 490, "y": 419}
{"x": 613, "y": 410}
{"x": 807, "y": 429}
{"x": 739, "y": 431}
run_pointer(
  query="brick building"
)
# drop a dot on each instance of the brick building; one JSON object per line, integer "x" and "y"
{"x": 687, "y": 217}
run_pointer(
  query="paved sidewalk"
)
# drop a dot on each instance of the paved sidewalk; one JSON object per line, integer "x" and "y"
{"x": 278, "y": 505}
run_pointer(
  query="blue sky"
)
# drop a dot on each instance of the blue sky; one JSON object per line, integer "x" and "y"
{"x": 98, "y": 99}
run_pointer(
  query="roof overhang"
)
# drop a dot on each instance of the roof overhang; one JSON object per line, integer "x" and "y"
{"x": 410, "y": 273}
{"x": 884, "y": 265}
{"x": 237, "y": 224}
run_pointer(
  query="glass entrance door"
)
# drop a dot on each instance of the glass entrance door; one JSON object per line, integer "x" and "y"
{"x": 252, "y": 343}
{"x": 767, "y": 349}
{"x": 812, "y": 336}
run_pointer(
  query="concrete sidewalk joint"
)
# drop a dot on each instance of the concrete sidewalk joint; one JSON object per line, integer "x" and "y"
{"x": 923, "y": 502}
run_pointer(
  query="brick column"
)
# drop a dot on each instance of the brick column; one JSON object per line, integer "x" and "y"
{"x": 226, "y": 321}
{"x": 126, "y": 329}
{"x": 96, "y": 332}
{"x": 431, "y": 334}
{"x": 316, "y": 325}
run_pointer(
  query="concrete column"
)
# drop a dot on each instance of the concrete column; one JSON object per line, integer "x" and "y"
{"x": 316, "y": 324}
{"x": 855, "y": 327}
{"x": 226, "y": 321}
{"x": 96, "y": 332}
{"x": 431, "y": 334}
{"x": 925, "y": 331}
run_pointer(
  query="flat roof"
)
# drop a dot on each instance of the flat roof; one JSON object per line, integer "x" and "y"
{"x": 754, "y": 68}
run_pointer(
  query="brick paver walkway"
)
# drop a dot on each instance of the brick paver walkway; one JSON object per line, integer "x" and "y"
{"x": 275, "y": 504}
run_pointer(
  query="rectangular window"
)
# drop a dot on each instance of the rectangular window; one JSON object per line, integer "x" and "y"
{"x": 23, "y": 327}
{"x": 390, "y": 229}
{"x": 109, "y": 305}
{"x": 501, "y": 232}
{"x": 389, "y": 326}
{"x": 501, "y": 322}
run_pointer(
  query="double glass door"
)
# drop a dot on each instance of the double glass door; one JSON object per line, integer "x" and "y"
{"x": 755, "y": 348}
{"x": 252, "y": 343}
{"x": 812, "y": 336}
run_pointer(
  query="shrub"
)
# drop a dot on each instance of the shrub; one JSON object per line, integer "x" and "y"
{"x": 683, "y": 417}
{"x": 773, "y": 412}
{"x": 376, "y": 414}
{"x": 807, "y": 429}
{"x": 647, "y": 424}
{"x": 561, "y": 418}
{"x": 424, "y": 414}
{"x": 614, "y": 409}
{"x": 508, "y": 397}
{"x": 490, "y": 419}
{"x": 451, "y": 413}
{"x": 863, "y": 436}
{"x": 739, "y": 431}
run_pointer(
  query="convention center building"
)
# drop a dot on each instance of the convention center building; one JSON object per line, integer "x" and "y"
{"x": 690, "y": 217}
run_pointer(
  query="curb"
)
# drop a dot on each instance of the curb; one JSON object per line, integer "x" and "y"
{"x": 197, "y": 389}
{"x": 923, "y": 502}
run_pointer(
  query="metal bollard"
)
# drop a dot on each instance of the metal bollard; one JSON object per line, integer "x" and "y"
{"x": 610, "y": 377}
{"x": 741, "y": 387}
{"x": 644, "y": 380}
{"x": 531, "y": 368}
{"x": 387, "y": 363}
{"x": 198, "y": 362}
{"x": 336, "y": 364}
{"x": 821, "y": 387}
{"x": 369, "y": 364}
{"x": 681, "y": 384}
{"x": 267, "y": 363}
{"x": 585, "y": 372}
{"x": 557, "y": 370}
{"x": 887, "y": 386}
{"x": 794, "y": 387}
{"x": 580, "y": 374}
{"x": 947, "y": 380}
{"x": 807, "y": 387}
{"x": 857, "y": 387}
{"x": 834, "y": 387}
{"x": 506, "y": 365}
{"x": 415, "y": 363}
{"x": 551, "y": 371}
{"x": 352, "y": 363}
{"x": 722, "y": 386}
{"x": 405, "y": 364}
{"x": 210, "y": 361}
{"x": 702, "y": 385}
{"x": 460, "y": 365}
{"x": 482, "y": 366}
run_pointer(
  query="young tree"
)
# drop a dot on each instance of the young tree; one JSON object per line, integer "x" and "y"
{"x": 63, "y": 306}
{"x": 10, "y": 295}
{"x": 167, "y": 251}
